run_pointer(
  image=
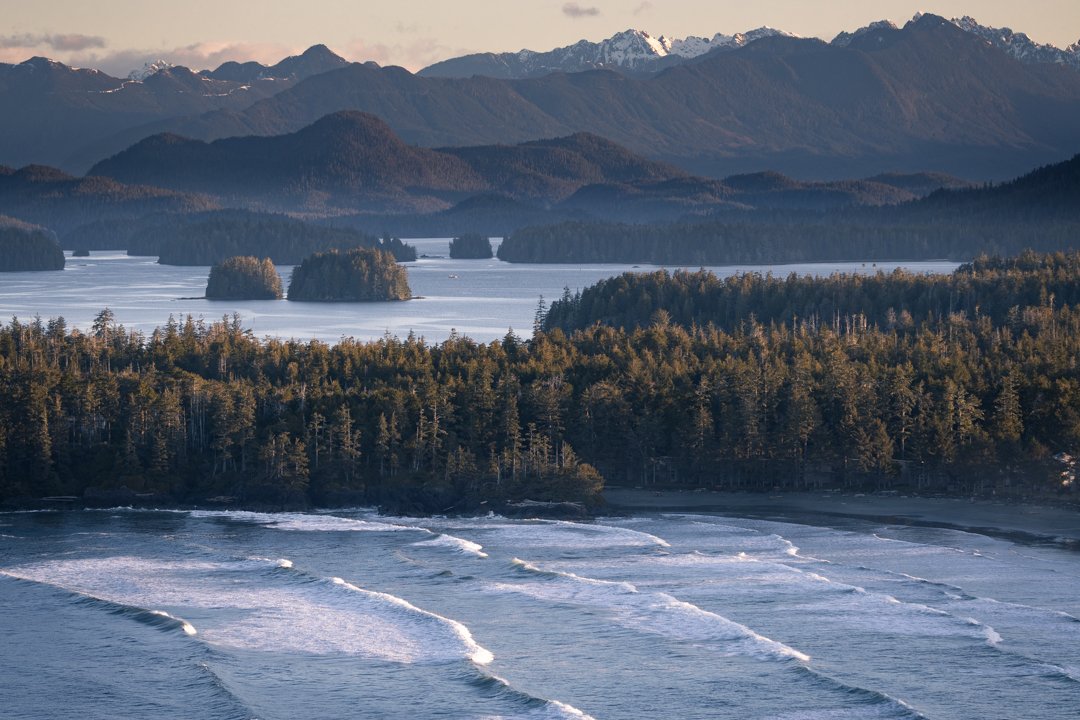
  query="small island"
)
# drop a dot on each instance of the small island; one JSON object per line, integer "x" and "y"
{"x": 244, "y": 278}
{"x": 471, "y": 247}
{"x": 26, "y": 247}
{"x": 357, "y": 275}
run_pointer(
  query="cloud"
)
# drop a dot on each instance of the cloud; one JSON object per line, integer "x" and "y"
{"x": 412, "y": 56}
{"x": 69, "y": 42}
{"x": 643, "y": 8}
{"x": 574, "y": 10}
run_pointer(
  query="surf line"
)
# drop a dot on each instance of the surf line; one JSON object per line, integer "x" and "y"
{"x": 623, "y": 598}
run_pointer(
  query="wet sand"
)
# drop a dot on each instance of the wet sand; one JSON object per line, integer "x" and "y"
{"x": 1023, "y": 521}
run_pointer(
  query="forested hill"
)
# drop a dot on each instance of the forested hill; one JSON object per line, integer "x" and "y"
{"x": 354, "y": 160}
{"x": 1040, "y": 211}
{"x": 955, "y": 402}
{"x": 51, "y": 198}
{"x": 208, "y": 238}
{"x": 1051, "y": 192}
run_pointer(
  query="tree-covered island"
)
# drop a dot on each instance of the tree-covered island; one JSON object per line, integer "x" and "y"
{"x": 244, "y": 278}
{"x": 471, "y": 247}
{"x": 357, "y": 275}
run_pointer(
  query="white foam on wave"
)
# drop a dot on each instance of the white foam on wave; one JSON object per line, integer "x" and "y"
{"x": 992, "y": 636}
{"x": 652, "y": 612}
{"x": 303, "y": 522}
{"x": 569, "y": 711}
{"x": 282, "y": 563}
{"x": 555, "y": 533}
{"x": 548, "y": 710}
{"x": 530, "y": 567}
{"x": 1071, "y": 672}
{"x": 461, "y": 545}
{"x": 187, "y": 627}
{"x": 861, "y": 608}
{"x": 238, "y": 605}
{"x": 478, "y": 654}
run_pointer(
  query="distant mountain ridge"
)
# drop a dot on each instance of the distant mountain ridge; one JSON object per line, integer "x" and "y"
{"x": 925, "y": 97}
{"x": 353, "y": 161}
{"x": 629, "y": 51}
{"x": 636, "y": 51}
{"x": 351, "y": 164}
{"x": 51, "y": 110}
{"x": 930, "y": 96}
{"x": 1020, "y": 46}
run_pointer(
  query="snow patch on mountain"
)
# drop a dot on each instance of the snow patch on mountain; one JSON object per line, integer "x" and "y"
{"x": 149, "y": 69}
{"x": 630, "y": 50}
{"x": 1020, "y": 46}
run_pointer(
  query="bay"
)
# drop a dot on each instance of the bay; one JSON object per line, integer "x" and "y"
{"x": 483, "y": 299}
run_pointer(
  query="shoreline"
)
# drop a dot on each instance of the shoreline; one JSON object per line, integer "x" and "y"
{"x": 1023, "y": 521}
{"x": 1028, "y": 522}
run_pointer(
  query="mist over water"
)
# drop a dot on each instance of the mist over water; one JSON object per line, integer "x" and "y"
{"x": 247, "y": 615}
{"x": 482, "y": 299}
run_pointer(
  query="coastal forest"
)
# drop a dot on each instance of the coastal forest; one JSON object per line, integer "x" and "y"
{"x": 967, "y": 383}
{"x": 26, "y": 247}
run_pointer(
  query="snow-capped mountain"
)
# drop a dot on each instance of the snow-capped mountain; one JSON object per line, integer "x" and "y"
{"x": 633, "y": 51}
{"x": 1020, "y": 46}
{"x": 638, "y": 52}
{"x": 150, "y": 68}
{"x": 692, "y": 46}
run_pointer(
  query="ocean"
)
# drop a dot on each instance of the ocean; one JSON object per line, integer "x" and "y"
{"x": 219, "y": 615}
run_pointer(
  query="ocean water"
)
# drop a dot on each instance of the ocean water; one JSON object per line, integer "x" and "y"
{"x": 221, "y": 615}
{"x": 482, "y": 299}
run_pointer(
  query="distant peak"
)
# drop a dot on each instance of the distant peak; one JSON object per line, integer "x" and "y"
{"x": 1019, "y": 45}
{"x": 345, "y": 122}
{"x": 844, "y": 39}
{"x": 320, "y": 50}
{"x": 39, "y": 62}
{"x": 150, "y": 69}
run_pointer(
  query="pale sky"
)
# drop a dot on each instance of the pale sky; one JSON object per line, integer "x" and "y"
{"x": 120, "y": 35}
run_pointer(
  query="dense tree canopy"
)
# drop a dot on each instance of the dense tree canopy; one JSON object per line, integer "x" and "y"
{"x": 357, "y": 275}
{"x": 763, "y": 238}
{"x": 208, "y": 238}
{"x": 471, "y": 247}
{"x": 244, "y": 278}
{"x": 900, "y": 300}
{"x": 954, "y": 402}
{"x": 28, "y": 248}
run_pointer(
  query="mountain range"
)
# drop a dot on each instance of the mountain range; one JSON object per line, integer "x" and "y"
{"x": 353, "y": 162}
{"x": 931, "y": 96}
{"x": 637, "y": 52}
{"x": 52, "y": 110}
{"x": 632, "y": 51}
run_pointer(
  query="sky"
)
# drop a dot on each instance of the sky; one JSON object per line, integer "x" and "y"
{"x": 118, "y": 36}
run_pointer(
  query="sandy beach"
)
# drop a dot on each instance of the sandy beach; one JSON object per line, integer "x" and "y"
{"x": 1037, "y": 522}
